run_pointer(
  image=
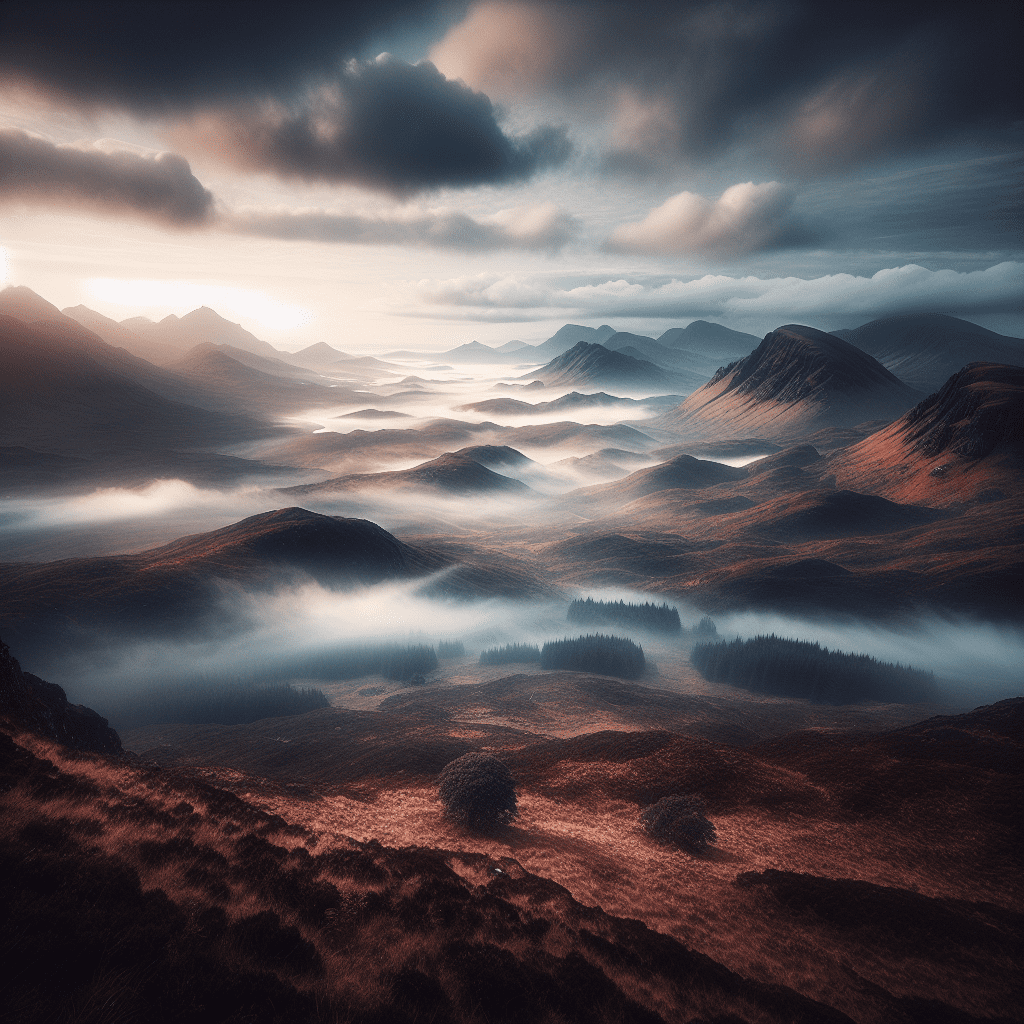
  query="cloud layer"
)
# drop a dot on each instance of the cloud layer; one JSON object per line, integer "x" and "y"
{"x": 777, "y": 300}
{"x": 816, "y": 89}
{"x": 383, "y": 124}
{"x": 543, "y": 227}
{"x": 745, "y": 218}
{"x": 102, "y": 176}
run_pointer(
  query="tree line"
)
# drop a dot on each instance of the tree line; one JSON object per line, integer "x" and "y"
{"x": 510, "y": 654}
{"x": 799, "y": 668}
{"x": 661, "y": 618}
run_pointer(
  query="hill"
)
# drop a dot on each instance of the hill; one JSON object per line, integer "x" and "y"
{"x": 925, "y": 349}
{"x": 682, "y": 472}
{"x": 709, "y": 340}
{"x": 177, "y": 589}
{"x": 796, "y": 381}
{"x": 464, "y": 472}
{"x": 590, "y": 365}
{"x": 965, "y": 442}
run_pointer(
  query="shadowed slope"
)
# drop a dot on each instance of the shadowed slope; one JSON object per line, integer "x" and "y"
{"x": 796, "y": 381}
{"x": 925, "y": 349}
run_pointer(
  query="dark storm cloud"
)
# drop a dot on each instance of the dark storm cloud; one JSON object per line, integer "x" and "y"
{"x": 815, "y": 86}
{"x": 164, "y": 57}
{"x": 383, "y": 124}
{"x": 95, "y": 176}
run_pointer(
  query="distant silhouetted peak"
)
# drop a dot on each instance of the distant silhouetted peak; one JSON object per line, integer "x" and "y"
{"x": 26, "y": 305}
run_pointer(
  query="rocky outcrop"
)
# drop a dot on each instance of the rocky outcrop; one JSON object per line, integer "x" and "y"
{"x": 34, "y": 705}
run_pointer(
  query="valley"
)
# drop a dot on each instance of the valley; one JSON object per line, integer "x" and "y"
{"x": 183, "y": 505}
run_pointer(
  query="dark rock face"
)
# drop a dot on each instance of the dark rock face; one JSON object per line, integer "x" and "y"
{"x": 31, "y": 703}
{"x": 978, "y": 410}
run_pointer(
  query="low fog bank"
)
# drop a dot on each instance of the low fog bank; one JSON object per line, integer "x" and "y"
{"x": 117, "y": 520}
{"x": 292, "y": 636}
{"x": 277, "y": 638}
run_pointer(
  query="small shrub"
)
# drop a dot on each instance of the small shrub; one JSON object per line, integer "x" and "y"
{"x": 680, "y": 820}
{"x": 510, "y": 654}
{"x": 478, "y": 791}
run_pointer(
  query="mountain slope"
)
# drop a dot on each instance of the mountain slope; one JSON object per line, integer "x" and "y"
{"x": 796, "y": 381}
{"x": 964, "y": 442}
{"x": 709, "y": 339}
{"x": 925, "y": 349}
{"x": 176, "y": 335}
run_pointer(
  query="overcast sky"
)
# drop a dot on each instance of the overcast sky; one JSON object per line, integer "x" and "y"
{"x": 419, "y": 175}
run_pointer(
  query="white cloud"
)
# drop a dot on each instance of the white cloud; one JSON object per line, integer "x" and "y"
{"x": 541, "y": 227}
{"x": 782, "y": 299}
{"x": 745, "y": 218}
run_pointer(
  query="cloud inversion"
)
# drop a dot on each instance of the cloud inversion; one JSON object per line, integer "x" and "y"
{"x": 102, "y": 176}
{"x": 737, "y": 299}
{"x": 384, "y": 124}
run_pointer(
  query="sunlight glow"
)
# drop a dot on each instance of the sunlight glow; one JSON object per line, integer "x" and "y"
{"x": 182, "y": 297}
{"x": 4, "y": 266}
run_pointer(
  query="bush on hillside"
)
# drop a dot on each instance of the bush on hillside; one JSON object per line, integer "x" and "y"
{"x": 510, "y": 654}
{"x": 680, "y": 819}
{"x": 662, "y": 618}
{"x": 606, "y": 655}
{"x": 478, "y": 791}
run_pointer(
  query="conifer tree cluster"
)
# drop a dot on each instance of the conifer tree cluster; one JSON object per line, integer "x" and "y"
{"x": 607, "y": 655}
{"x": 661, "y": 618}
{"x": 798, "y": 668}
{"x": 510, "y": 654}
{"x": 451, "y": 649}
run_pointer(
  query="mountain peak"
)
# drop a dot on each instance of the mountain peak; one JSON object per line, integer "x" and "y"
{"x": 23, "y": 304}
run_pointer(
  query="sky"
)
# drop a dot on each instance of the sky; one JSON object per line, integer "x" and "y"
{"x": 418, "y": 175}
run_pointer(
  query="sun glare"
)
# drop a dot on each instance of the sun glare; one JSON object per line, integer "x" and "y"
{"x": 4, "y": 266}
{"x": 159, "y": 298}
